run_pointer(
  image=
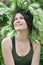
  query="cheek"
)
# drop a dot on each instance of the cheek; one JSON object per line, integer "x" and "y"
{"x": 24, "y": 23}
{"x": 14, "y": 23}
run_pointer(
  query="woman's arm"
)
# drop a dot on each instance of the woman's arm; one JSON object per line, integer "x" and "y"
{"x": 36, "y": 55}
{"x": 6, "y": 51}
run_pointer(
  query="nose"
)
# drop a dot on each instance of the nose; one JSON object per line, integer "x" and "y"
{"x": 18, "y": 21}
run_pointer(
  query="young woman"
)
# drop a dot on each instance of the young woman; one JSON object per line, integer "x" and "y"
{"x": 19, "y": 50}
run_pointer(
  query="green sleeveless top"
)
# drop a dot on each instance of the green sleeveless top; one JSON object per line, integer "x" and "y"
{"x": 25, "y": 60}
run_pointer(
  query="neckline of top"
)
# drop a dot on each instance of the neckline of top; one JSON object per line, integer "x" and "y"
{"x": 24, "y": 55}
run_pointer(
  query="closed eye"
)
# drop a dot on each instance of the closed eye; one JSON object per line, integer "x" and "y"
{"x": 21, "y": 17}
{"x": 15, "y": 19}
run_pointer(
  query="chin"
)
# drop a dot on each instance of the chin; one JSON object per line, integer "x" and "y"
{"x": 19, "y": 29}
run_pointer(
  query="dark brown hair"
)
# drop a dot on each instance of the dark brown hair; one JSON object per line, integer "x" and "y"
{"x": 28, "y": 18}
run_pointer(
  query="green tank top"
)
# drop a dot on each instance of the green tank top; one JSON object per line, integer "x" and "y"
{"x": 25, "y": 60}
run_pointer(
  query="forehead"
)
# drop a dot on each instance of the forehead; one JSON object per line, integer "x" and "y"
{"x": 18, "y": 15}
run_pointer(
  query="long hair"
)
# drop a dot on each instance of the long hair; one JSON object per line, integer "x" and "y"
{"x": 28, "y": 18}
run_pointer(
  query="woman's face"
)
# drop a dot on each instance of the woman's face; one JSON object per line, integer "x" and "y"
{"x": 19, "y": 22}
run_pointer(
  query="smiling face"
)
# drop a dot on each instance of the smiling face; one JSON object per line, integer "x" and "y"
{"x": 19, "y": 22}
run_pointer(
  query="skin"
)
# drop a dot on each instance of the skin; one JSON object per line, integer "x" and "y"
{"x": 22, "y": 43}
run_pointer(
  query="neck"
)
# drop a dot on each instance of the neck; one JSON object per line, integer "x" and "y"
{"x": 22, "y": 35}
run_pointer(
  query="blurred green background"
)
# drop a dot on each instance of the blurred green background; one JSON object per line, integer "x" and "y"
{"x": 8, "y": 7}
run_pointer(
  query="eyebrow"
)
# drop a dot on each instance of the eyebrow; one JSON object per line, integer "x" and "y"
{"x": 19, "y": 17}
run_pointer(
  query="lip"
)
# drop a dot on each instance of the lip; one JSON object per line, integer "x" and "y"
{"x": 17, "y": 24}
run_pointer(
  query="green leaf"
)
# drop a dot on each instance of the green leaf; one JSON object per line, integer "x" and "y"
{"x": 4, "y": 9}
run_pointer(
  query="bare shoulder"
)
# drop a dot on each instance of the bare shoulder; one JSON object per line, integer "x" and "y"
{"x": 6, "y": 42}
{"x": 36, "y": 45}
